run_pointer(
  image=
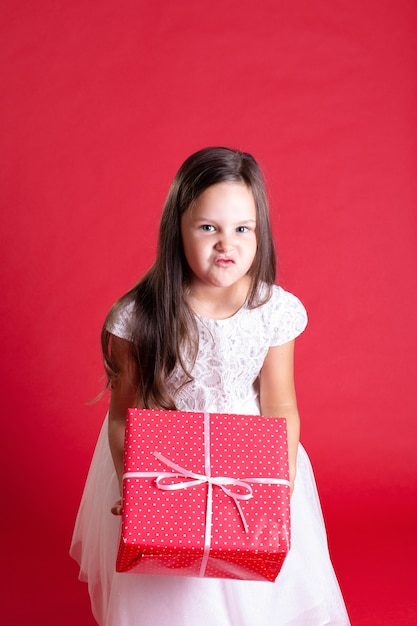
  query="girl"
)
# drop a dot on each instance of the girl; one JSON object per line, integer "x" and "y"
{"x": 206, "y": 329}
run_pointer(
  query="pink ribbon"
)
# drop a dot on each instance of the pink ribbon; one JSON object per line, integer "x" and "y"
{"x": 163, "y": 480}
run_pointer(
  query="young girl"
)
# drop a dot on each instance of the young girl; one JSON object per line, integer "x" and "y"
{"x": 206, "y": 329}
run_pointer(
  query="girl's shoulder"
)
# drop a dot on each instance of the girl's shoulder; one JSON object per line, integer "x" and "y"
{"x": 120, "y": 319}
{"x": 285, "y": 315}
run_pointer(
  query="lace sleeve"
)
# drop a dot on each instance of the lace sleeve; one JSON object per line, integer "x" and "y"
{"x": 120, "y": 323}
{"x": 288, "y": 317}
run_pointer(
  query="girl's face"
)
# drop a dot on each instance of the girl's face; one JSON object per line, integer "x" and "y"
{"x": 219, "y": 235}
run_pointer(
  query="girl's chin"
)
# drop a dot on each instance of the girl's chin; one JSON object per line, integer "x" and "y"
{"x": 224, "y": 282}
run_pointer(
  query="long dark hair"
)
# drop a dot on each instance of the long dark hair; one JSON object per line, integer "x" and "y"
{"x": 163, "y": 325}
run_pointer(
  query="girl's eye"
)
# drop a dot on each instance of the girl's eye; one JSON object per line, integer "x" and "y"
{"x": 242, "y": 229}
{"x": 208, "y": 228}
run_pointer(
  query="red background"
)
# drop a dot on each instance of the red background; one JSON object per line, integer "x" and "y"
{"x": 101, "y": 103}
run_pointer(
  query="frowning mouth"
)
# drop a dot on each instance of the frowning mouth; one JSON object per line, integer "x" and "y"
{"x": 224, "y": 261}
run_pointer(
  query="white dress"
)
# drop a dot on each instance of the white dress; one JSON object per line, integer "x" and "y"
{"x": 306, "y": 592}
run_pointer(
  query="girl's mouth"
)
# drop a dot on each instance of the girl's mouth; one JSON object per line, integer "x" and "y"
{"x": 224, "y": 261}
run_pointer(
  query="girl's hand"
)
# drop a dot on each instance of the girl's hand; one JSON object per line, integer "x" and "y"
{"x": 117, "y": 507}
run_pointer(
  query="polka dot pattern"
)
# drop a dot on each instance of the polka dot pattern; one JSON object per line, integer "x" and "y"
{"x": 163, "y": 532}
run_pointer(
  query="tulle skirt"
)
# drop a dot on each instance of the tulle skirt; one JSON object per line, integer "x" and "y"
{"x": 306, "y": 592}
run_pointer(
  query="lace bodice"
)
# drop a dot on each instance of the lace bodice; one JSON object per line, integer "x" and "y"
{"x": 231, "y": 353}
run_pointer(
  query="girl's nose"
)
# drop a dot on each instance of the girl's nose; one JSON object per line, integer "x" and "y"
{"x": 224, "y": 244}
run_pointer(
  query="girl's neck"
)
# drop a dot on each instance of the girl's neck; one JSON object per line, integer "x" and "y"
{"x": 219, "y": 303}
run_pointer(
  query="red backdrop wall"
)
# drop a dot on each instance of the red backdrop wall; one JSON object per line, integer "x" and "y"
{"x": 101, "y": 103}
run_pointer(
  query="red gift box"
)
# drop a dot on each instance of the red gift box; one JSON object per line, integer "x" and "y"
{"x": 205, "y": 495}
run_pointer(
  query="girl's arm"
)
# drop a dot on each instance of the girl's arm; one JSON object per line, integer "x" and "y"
{"x": 123, "y": 396}
{"x": 278, "y": 398}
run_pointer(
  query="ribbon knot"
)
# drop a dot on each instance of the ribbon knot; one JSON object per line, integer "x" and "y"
{"x": 232, "y": 487}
